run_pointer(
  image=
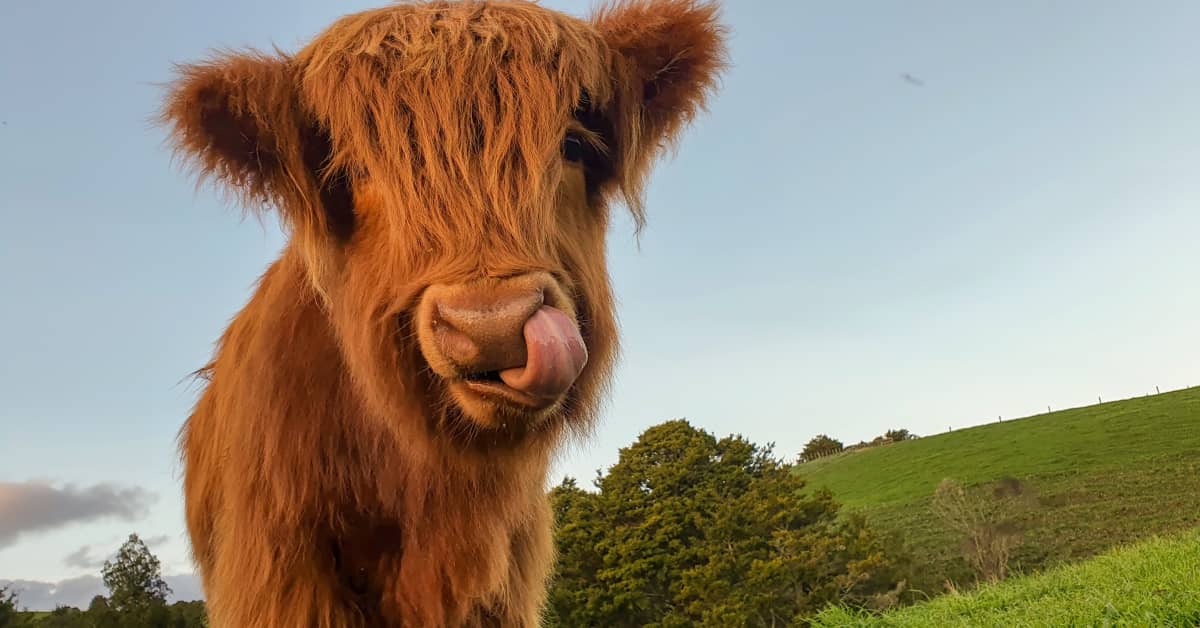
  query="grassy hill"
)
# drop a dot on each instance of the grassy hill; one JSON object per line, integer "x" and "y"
{"x": 1153, "y": 583}
{"x": 1106, "y": 474}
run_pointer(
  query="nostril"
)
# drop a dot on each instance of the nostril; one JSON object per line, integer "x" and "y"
{"x": 482, "y": 333}
{"x": 458, "y": 346}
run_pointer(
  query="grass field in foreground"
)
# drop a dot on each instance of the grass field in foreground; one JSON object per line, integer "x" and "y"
{"x": 1105, "y": 474}
{"x": 1153, "y": 583}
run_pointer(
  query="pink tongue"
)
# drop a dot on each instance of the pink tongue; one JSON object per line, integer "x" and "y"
{"x": 555, "y": 355}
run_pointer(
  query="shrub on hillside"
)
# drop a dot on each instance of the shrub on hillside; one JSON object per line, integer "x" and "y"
{"x": 987, "y": 520}
{"x": 689, "y": 530}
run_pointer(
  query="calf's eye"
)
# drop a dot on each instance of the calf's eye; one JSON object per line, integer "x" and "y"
{"x": 572, "y": 149}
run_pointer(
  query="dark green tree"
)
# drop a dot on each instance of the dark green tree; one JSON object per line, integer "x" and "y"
{"x": 63, "y": 617}
{"x": 99, "y": 614}
{"x": 188, "y": 615}
{"x": 690, "y": 530}
{"x": 9, "y": 617}
{"x": 578, "y": 530}
{"x": 137, "y": 591}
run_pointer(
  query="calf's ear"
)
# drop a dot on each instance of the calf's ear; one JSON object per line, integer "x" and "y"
{"x": 668, "y": 57}
{"x": 238, "y": 119}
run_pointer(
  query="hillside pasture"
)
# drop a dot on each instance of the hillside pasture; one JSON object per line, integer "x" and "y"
{"x": 1104, "y": 475}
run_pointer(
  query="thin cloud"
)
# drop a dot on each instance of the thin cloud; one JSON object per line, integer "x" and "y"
{"x": 44, "y": 596}
{"x": 83, "y": 559}
{"x": 155, "y": 541}
{"x": 38, "y": 506}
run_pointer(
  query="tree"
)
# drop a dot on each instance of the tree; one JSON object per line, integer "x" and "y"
{"x": 899, "y": 435}
{"x": 690, "y": 530}
{"x": 578, "y": 531}
{"x": 188, "y": 615}
{"x": 62, "y": 617}
{"x": 820, "y": 445}
{"x": 100, "y": 615}
{"x": 8, "y": 607}
{"x": 136, "y": 588}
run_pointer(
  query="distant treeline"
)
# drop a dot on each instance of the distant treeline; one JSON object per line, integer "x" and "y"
{"x": 823, "y": 445}
{"x": 137, "y": 599}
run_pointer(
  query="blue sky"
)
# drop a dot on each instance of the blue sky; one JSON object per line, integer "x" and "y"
{"x": 832, "y": 249}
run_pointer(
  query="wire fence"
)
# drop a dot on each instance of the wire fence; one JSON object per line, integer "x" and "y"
{"x": 1099, "y": 401}
{"x": 825, "y": 453}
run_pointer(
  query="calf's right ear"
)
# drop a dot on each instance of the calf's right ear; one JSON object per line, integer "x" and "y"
{"x": 237, "y": 119}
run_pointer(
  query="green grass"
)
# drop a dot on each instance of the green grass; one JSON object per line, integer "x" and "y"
{"x": 1105, "y": 475}
{"x": 1154, "y": 583}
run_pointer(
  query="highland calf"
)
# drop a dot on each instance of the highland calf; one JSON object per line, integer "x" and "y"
{"x": 372, "y": 444}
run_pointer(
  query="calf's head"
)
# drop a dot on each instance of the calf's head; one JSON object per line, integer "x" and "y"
{"x": 445, "y": 172}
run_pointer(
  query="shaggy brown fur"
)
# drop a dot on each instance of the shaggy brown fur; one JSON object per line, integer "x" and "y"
{"x": 337, "y": 474}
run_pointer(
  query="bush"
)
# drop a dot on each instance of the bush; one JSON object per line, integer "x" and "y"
{"x": 987, "y": 520}
{"x": 689, "y": 530}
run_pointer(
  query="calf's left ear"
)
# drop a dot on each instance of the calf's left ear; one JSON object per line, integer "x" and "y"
{"x": 671, "y": 53}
